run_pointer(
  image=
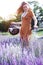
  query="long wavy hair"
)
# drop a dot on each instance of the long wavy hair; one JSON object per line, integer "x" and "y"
{"x": 20, "y": 9}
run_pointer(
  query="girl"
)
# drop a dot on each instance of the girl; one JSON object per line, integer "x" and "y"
{"x": 26, "y": 16}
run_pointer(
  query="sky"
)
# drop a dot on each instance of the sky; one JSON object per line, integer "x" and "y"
{"x": 8, "y": 7}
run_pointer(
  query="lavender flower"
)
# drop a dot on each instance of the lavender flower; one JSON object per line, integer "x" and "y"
{"x": 11, "y": 53}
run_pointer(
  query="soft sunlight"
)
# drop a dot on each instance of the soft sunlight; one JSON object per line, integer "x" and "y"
{"x": 9, "y": 7}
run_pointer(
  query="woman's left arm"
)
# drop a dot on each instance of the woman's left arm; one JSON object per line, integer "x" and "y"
{"x": 35, "y": 20}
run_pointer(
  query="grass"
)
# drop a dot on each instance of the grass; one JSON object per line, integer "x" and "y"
{"x": 40, "y": 33}
{"x": 4, "y": 33}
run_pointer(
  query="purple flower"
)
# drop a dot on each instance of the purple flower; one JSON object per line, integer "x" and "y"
{"x": 38, "y": 61}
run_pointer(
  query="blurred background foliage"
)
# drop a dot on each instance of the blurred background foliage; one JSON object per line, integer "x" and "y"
{"x": 38, "y": 10}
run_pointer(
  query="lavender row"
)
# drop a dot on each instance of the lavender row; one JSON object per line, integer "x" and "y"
{"x": 11, "y": 53}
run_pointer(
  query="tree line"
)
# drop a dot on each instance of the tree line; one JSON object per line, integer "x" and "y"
{"x": 38, "y": 10}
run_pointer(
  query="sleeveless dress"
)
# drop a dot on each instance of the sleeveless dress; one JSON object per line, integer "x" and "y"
{"x": 26, "y": 25}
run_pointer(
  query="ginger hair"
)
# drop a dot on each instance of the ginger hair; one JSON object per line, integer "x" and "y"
{"x": 20, "y": 9}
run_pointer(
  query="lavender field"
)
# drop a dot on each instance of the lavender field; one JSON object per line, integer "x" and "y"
{"x": 11, "y": 51}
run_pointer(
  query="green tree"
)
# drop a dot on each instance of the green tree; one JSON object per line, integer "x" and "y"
{"x": 38, "y": 10}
